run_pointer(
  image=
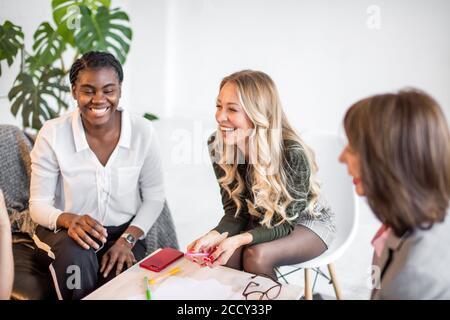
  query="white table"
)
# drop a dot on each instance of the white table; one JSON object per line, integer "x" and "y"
{"x": 192, "y": 283}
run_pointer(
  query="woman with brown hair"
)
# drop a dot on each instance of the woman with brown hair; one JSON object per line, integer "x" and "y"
{"x": 398, "y": 154}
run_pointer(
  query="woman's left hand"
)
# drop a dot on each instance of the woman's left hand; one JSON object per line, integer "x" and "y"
{"x": 227, "y": 247}
{"x": 119, "y": 253}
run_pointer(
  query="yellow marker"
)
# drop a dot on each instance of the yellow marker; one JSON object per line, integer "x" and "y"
{"x": 164, "y": 276}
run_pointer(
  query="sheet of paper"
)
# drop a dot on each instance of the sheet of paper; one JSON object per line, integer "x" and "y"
{"x": 179, "y": 288}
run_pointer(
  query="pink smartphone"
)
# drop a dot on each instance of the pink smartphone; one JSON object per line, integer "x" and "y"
{"x": 161, "y": 259}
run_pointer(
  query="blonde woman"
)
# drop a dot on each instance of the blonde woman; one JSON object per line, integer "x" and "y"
{"x": 267, "y": 180}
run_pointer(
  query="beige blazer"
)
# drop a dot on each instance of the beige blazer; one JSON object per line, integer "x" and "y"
{"x": 415, "y": 266}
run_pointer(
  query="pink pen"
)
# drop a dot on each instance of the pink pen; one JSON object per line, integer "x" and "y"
{"x": 197, "y": 254}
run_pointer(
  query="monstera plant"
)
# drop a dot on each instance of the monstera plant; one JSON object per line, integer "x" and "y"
{"x": 40, "y": 90}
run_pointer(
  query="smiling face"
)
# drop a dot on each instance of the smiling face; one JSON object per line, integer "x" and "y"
{"x": 352, "y": 160}
{"x": 234, "y": 123}
{"x": 97, "y": 92}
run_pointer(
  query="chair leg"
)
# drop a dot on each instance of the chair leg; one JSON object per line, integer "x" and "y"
{"x": 337, "y": 290}
{"x": 308, "y": 287}
{"x": 280, "y": 275}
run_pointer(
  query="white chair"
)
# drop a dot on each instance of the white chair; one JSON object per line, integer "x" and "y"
{"x": 337, "y": 188}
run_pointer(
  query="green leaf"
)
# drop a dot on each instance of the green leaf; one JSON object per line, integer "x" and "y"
{"x": 16, "y": 105}
{"x": 105, "y": 30}
{"x": 150, "y": 116}
{"x": 67, "y": 15}
{"x": 48, "y": 46}
{"x": 26, "y": 116}
{"x": 38, "y": 93}
{"x": 11, "y": 40}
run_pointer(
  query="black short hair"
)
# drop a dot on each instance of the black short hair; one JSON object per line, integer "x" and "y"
{"x": 93, "y": 60}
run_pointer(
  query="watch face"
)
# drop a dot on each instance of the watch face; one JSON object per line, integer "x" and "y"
{"x": 130, "y": 238}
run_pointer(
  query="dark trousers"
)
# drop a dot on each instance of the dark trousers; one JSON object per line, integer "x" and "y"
{"x": 76, "y": 271}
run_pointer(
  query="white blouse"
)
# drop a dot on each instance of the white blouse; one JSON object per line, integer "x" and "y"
{"x": 66, "y": 175}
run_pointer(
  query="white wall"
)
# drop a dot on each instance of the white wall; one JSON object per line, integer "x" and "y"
{"x": 321, "y": 54}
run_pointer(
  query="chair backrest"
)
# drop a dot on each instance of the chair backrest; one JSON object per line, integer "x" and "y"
{"x": 337, "y": 189}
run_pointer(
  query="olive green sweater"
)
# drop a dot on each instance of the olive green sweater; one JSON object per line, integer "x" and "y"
{"x": 298, "y": 173}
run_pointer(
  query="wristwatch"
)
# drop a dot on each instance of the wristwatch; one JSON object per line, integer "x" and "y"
{"x": 129, "y": 238}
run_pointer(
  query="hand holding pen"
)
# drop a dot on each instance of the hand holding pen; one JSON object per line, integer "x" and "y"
{"x": 199, "y": 250}
{"x": 199, "y": 256}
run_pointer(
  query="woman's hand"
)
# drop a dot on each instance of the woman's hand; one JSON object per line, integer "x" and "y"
{"x": 6, "y": 254}
{"x": 4, "y": 218}
{"x": 82, "y": 228}
{"x": 119, "y": 253}
{"x": 227, "y": 247}
{"x": 205, "y": 244}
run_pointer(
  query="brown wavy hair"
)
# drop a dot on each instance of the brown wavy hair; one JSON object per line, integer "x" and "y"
{"x": 403, "y": 143}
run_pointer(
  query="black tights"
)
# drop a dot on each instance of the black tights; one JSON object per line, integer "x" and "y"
{"x": 300, "y": 246}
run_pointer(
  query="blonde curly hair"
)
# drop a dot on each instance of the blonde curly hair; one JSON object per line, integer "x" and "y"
{"x": 270, "y": 183}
